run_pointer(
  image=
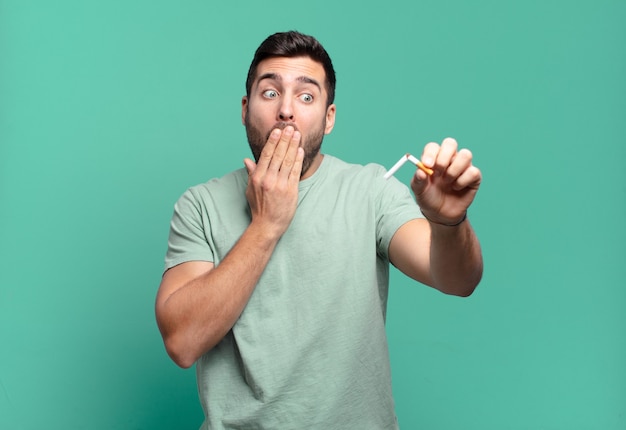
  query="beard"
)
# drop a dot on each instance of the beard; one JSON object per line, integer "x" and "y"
{"x": 311, "y": 143}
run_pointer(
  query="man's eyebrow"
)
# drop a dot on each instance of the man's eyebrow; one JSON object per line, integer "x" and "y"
{"x": 307, "y": 80}
{"x": 279, "y": 78}
{"x": 272, "y": 76}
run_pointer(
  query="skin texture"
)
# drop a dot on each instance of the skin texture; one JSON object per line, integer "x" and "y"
{"x": 286, "y": 117}
{"x": 289, "y": 91}
{"x": 446, "y": 258}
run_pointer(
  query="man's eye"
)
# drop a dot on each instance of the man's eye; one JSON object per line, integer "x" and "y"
{"x": 270, "y": 94}
{"x": 307, "y": 98}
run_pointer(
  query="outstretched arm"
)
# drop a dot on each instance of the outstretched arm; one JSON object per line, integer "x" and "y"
{"x": 443, "y": 250}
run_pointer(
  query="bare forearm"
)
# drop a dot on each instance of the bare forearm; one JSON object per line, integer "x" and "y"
{"x": 456, "y": 263}
{"x": 198, "y": 303}
{"x": 197, "y": 316}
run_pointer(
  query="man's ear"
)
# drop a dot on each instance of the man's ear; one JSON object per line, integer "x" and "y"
{"x": 244, "y": 109}
{"x": 330, "y": 118}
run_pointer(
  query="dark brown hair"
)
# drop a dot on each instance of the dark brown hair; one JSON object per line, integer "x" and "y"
{"x": 294, "y": 44}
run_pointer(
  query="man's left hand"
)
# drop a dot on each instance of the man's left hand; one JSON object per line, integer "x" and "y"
{"x": 445, "y": 196}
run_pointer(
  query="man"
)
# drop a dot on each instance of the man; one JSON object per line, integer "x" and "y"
{"x": 277, "y": 274}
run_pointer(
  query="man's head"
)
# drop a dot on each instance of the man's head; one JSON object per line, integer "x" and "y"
{"x": 289, "y": 84}
{"x": 294, "y": 44}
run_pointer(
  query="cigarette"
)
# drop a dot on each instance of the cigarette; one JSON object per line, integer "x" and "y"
{"x": 404, "y": 159}
{"x": 396, "y": 167}
{"x": 419, "y": 164}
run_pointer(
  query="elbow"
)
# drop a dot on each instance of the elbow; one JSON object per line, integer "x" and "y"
{"x": 464, "y": 287}
{"x": 176, "y": 343}
{"x": 472, "y": 280}
{"x": 182, "y": 362}
{"x": 468, "y": 288}
{"x": 465, "y": 292}
{"x": 184, "y": 349}
{"x": 180, "y": 354}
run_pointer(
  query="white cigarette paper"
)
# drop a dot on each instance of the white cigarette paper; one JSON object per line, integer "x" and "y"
{"x": 404, "y": 159}
{"x": 396, "y": 166}
{"x": 413, "y": 160}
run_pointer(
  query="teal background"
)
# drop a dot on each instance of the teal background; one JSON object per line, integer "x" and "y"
{"x": 109, "y": 110}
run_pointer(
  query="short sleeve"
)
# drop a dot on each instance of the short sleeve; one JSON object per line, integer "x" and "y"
{"x": 188, "y": 232}
{"x": 395, "y": 206}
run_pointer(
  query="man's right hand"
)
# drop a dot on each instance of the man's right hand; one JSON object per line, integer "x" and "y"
{"x": 272, "y": 191}
{"x": 198, "y": 302}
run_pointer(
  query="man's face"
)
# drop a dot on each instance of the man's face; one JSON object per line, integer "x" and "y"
{"x": 289, "y": 91}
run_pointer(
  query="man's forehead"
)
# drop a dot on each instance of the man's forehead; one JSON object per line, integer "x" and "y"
{"x": 290, "y": 68}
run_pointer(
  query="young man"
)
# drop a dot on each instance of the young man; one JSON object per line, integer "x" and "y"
{"x": 277, "y": 274}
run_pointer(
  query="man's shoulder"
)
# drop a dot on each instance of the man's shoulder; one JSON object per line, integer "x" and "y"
{"x": 227, "y": 189}
{"x": 237, "y": 179}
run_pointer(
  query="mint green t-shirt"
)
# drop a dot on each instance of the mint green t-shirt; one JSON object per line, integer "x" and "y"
{"x": 309, "y": 350}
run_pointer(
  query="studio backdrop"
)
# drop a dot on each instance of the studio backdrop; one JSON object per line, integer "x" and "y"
{"x": 109, "y": 110}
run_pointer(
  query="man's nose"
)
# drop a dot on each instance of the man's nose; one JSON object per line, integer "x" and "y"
{"x": 285, "y": 112}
